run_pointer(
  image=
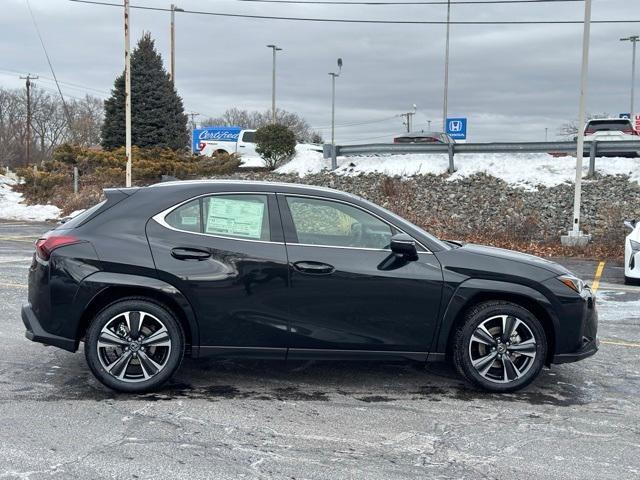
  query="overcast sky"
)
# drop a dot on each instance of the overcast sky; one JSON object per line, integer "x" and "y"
{"x": 512, "y": 82}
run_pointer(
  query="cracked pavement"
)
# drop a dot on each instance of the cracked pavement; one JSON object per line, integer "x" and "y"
{"x": 317, "y": 420}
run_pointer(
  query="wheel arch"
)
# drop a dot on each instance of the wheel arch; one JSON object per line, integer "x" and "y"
{"x": 104, "y": 291}
{"x": 471, "y": 293}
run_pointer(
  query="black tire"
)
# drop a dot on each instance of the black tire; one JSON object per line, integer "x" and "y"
{"x": 518, "y": 367}
{"x": 631, "y": 281}
{"x": 156, "y": 316}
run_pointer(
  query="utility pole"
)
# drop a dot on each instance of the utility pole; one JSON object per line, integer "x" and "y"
{"x": 28, "y": 79}
{"x": 127, "y": 95}
{"x": 546, "y": 134}
{"x": 446, "y": 70}
{"x": 575, "y": 237}
{"x": 429, "y": 124}
{"x": 193, "y": 116}
{"x": 174, "y": 9}
{"x": 634, "y": 39}
{"x": 275, "y": 49}
{"x": 334, "y": 160}
{"x": 408, "y": 116}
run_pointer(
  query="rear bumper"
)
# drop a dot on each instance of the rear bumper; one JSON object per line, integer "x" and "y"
{"x": 36, "y": 333}
{"x": 589, "y": 347}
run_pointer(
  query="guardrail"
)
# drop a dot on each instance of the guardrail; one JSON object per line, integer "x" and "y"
{"x": 591, "y": 149}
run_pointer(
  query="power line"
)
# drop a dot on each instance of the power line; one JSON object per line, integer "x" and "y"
{"x": 344, "y": 20}
{"x": 46, "y": 54}
{"x": 77, "y": 86}
{"x": 386, "y": 119}
{"x": 433, "y": 2}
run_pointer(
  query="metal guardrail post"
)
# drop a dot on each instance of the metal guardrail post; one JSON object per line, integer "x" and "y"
{"x": 452, "y": 167}
{"x": 593, "y": 150}
{"x": 334, "y": 154}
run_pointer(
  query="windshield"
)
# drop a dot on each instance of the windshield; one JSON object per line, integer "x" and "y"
{"x": 401, "y": 222}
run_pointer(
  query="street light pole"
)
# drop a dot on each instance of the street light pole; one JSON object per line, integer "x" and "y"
{"x": 174, "y": 9}
{"x": 575, "y": 237}
{"x": 334, "y": 160}
{"x": 446, "y": 70}
{"x": 275, "y": 49}
{"x": 127, "y": 94}
{"x": 634, "y": 39}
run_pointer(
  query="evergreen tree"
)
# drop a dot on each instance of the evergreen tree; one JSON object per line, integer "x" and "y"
{"x": 157, "y": 113}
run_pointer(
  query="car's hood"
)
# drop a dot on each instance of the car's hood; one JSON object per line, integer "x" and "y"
{"x": 525, "y": 258}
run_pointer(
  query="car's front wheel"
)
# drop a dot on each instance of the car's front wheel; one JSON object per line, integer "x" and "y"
{"x": 134, "y": 345}
{"x": 500, "y": 346}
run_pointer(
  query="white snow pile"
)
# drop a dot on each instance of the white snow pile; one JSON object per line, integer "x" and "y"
{"x": 524, "y": 170}
{"x": 13, "y": 208}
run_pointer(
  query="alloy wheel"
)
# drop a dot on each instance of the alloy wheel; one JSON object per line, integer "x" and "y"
{"x": 502, "y": 349}
{"x": 134, "y": 346}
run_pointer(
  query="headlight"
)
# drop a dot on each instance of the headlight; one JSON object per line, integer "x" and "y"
{"x": 635, "y": 246}
{"x": 573, "y": 282}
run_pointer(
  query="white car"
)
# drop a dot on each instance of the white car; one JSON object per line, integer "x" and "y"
{"x": 612, "y": 130}
{"x": 631, "y": 250}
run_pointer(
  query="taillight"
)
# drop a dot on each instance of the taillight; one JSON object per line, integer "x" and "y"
{"x": 628, "y": 131}
{"x": 201, "y": 145}
{"x": 589, "y": 131}
{"x": 45, "y": 246}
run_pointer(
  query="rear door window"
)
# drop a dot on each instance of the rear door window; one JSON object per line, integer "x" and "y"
{"x": 249, "y": 137}
{"x": 243, "y": 216}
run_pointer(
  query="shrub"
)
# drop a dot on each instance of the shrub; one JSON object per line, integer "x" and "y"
{"x": 98, "y": 169}
{"x": 275, "y": 144}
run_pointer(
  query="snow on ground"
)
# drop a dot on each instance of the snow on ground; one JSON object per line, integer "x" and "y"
{"x": 12, "y": 208}
{"x": 525, "y": 170}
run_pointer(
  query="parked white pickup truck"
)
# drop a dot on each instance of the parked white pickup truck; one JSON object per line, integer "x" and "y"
{"x": 243, "y": 144}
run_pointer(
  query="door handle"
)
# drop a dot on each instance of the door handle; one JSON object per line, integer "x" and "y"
{"x": 314, "y": 268}
{"x": 190, "y": 254}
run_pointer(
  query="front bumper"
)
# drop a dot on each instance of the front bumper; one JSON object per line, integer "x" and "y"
{"x": 36, "y": 333}
{"x": 588, "y": 333}
{"x": 589, "y": 347}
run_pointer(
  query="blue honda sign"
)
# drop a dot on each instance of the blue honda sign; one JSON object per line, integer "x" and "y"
{"x": 457, "y": 128}
{"x": 221, "y": 134}
{"x": 625, "y": 115}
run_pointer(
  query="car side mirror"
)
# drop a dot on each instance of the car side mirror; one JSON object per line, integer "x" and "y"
{"x": 402, "y": 244}
{"x": 630, "y": 224}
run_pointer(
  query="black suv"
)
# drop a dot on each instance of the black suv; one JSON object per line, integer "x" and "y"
{"x": 283, "y": 271}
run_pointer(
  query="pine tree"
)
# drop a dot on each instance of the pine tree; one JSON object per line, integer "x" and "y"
{"x": 157, "y": 113}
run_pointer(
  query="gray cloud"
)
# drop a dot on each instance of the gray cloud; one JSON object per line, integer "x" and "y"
{"x": 511, "y": 81}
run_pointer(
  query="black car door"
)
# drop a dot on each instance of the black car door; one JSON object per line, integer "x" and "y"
{"x": 348, "y": 294}
{"x": 226, "y": 253}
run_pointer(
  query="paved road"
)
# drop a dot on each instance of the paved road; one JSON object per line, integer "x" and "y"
{"x": 255, "y": 420}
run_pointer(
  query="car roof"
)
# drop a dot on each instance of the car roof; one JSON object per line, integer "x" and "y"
{"x": 228, "y": 184}
{"x": 420, "y": 134}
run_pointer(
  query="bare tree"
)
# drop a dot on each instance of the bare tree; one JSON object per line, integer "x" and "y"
{"x": 49, "y": 122}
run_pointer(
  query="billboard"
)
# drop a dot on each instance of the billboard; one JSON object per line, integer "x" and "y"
{"x": 221, "y": 134}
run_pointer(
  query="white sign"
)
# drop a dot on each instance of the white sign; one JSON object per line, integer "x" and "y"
{"x": 240, "y": 218}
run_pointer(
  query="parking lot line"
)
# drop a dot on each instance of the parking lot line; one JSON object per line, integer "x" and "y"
{"x": 19, "y": 239}
{"x": 596, "y": 278}
{"x": 621, "y": 344}
{"x": 14, "y": 285}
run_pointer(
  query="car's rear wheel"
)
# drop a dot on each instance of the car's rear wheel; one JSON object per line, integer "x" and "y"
{"x": 500, "y": 346}
{"x": 134, "y": 345}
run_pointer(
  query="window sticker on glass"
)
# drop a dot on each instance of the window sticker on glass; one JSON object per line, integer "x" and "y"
{"x": 189, "y": 220}
{"x": 239, "y": 218}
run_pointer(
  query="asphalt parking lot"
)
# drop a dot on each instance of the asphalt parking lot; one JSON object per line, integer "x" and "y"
{"x": 229, "y": 419}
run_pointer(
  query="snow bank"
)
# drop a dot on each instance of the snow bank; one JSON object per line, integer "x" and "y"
{"x": 12, "y": 208}
{"x": 525, "y": 170}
